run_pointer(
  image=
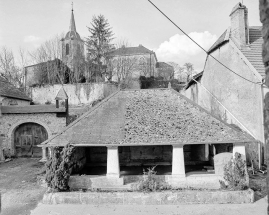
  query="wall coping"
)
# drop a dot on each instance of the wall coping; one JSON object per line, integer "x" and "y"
{"x": 151, "y": 198}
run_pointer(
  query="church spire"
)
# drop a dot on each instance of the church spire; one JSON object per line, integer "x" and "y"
{"x": 72, "y": 21}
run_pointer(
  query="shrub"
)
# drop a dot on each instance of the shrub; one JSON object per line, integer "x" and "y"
{"x": 149, "y": 182}
{"x": 48, "y": 102}
{"x": 235, "y": 174}
{"x": 58, "y": 168}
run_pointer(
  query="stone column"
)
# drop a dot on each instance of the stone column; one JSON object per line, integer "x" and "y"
{"x": 50, "y": 151}
{"x": 206, "y": 152}
{"x": 178, "y": 164}
{"x": 240, "y": 148}
{"x": 113, "y": 165}
{"x": 44, "y": 154}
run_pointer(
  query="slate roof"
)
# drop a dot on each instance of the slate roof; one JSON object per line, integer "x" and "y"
{"x": 220, "y": 41}
{"x": 8, "y": 90}
{"x": 253, "y": 51}
{"x": 130, "y": 51}
{"x": 147, "y": 117}
{"x": 163, "y": 65}
{"x": 31, "y": 109}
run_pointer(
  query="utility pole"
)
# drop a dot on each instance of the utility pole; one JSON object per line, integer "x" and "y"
{"x": 264, "y": 18}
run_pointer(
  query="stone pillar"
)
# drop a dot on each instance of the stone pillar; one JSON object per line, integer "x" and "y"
{"x": 206, "y": 152}
{"x": 264, "y": 18}
{"x": 178, "y": 164}
{"x": 44, "y": 154}
{"x": 50, "y": 151}
{"x": 240, "y": 148}
{"x": 113, "y": 165}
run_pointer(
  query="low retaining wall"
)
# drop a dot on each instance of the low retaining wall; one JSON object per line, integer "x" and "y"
{"x": 197, "y": 181}
{"x": 153, "y": 198}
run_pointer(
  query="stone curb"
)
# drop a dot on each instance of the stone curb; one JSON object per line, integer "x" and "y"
{"x": 152, "y": 198}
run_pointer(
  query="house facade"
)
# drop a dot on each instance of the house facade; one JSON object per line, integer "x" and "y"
{"x": 131, "y": 61}
{"x": 165, "y": 71}
{"x": 134, "y": 129}
{"x": 236, "y": 98}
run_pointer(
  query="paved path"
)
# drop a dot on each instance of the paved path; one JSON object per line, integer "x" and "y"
{"x": 257, "y": 208}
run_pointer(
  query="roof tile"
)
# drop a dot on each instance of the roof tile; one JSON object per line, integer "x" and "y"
{"x": 148, "y": 117}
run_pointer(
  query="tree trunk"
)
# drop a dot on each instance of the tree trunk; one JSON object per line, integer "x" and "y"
{"x": 264, "y": 18}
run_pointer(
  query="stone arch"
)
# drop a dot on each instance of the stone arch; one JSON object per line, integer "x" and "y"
{"x": 12, "y": 129}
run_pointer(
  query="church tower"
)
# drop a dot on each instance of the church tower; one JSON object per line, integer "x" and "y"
{"x": 72, "y": 45}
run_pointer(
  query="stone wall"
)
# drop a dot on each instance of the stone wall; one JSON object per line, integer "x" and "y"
{"x": 9, "y": 123}
{"x": 77, "y": 93}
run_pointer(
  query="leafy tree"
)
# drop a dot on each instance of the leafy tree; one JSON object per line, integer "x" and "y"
{"x": 99, "y": 42}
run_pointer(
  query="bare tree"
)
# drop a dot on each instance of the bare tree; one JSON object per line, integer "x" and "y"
{"x": 11, "y": 69}
{"x": 121, "y": 66}
{"x": 179, "y": 72}
{"x": 48, "y": 62}
{"x": 189, "y": 70}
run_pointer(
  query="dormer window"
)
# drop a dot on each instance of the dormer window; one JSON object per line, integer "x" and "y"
{"x": 67, "y": 49}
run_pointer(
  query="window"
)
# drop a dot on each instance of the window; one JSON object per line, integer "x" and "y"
{"x": 67, "y": 49}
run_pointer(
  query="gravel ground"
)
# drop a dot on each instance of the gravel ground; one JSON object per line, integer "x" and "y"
{"x": 257, "y": 208}
{"x": 19, "y": 187}
{"x": 21, "y": 192}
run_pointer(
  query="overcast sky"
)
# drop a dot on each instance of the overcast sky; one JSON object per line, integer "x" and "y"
{"x": 28, "y": 23}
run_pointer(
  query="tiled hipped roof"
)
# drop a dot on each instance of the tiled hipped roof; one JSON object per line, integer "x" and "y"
{"x": 8, "y": 90}
{"x": 252, "y": 51}
{"x": 130, "y": 51}
{"x": 147, "y": 117}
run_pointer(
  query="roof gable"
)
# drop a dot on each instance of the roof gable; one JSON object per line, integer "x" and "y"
{"x": 252, "y": 51}
{"x": 147, "y": 117}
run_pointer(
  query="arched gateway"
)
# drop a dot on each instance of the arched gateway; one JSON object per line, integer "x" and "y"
{"x": 26, "y": 138}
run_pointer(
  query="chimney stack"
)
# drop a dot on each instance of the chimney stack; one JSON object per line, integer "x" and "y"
{"x": 239, "y": 25}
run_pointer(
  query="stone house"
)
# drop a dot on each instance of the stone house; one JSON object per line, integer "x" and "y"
{"x": 136, "y": 61}
{"x": 165, "y": 71}
{"x": 24, "y": 126}
{"x": 240, "y": 49}
{"x": 134, "y": 129}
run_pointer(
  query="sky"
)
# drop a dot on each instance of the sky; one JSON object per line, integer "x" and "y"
{"x": 27, "y": 23}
